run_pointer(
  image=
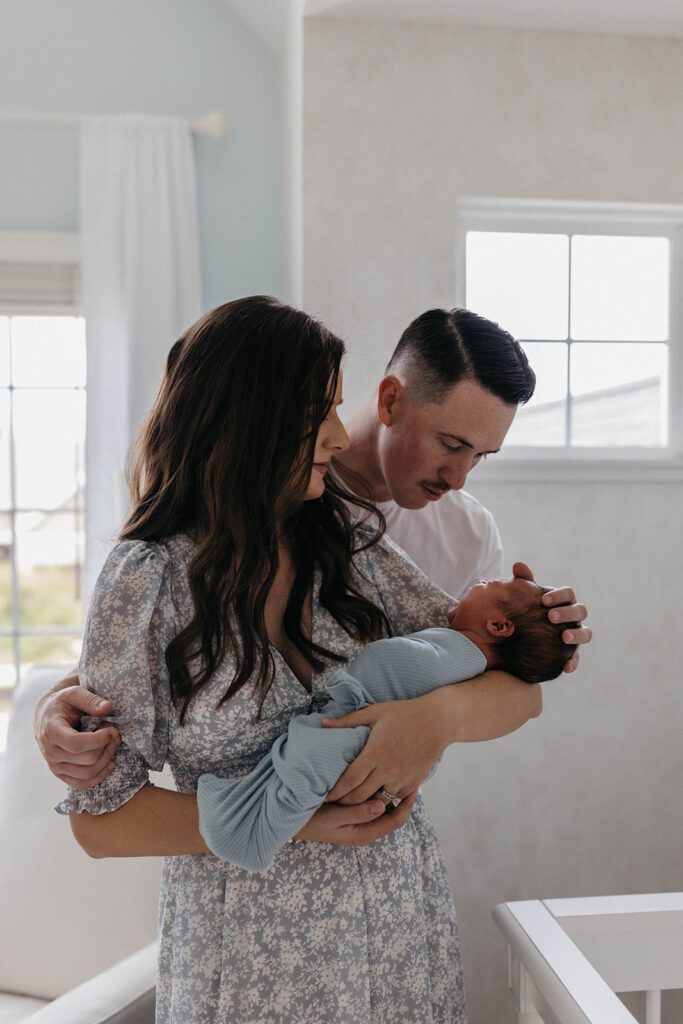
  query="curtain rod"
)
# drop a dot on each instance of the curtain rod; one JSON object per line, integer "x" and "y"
{"x": 215, "y": 126}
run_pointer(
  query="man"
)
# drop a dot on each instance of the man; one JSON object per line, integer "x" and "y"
{"x": 449, "y": 396}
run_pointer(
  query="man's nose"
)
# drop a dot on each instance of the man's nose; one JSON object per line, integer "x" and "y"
{"x": 455, "y": 476}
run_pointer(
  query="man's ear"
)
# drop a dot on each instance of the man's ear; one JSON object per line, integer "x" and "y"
{"x": 501, "y": 629}
{"x": 390, "y": 390}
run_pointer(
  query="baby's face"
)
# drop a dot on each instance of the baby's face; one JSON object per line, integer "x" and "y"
{"x": 485, "y": 600}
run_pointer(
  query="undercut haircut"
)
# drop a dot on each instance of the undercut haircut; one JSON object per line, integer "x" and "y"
{"x": 536, "y": 651}
{"x": 444, "y": 346}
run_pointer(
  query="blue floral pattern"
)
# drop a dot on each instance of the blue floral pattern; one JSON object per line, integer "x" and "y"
{"x": 327, "y": 934}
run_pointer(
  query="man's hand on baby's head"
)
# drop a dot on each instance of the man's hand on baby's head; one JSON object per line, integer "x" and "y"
{"x": 521, "y": 571}
{"x": 562, "y": 606}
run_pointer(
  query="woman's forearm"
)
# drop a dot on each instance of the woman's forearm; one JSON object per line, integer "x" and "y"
{"x": 154, "y": 823}
{"x": 491, "y": 705}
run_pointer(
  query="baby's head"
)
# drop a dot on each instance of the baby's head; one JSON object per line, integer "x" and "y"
{"x": 508, "y": 622}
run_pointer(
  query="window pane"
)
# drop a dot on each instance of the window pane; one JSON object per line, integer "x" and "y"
{"x": 5, "y": 444}
{"x": 542, "y": 421}
{"x": 520, "y": 281}
{"x": 619, "y": 395}
{"x": 49, "y": 431}
{"x": 49, "y": 557}
{"x": 7, "y": 681}
{"x": 4, "y": 351}
{"x": 5, "y": 573}
{"x": 620, "y": 288}
{"x": 48, "y": 351}
{"x": 49, "y": 648}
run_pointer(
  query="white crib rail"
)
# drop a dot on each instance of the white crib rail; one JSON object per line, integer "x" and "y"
{"x": 568, "y": 958}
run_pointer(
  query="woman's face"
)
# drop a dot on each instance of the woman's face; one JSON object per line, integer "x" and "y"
{"x": 332, "y": 438}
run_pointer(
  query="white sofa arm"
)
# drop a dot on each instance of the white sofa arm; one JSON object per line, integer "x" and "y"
{"x": 123, "y": 994}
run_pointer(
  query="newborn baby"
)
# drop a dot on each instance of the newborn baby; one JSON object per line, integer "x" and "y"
{"x": 499, "y": 624}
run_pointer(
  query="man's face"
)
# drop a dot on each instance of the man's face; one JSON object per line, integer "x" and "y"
{"x": 427, "y": 450}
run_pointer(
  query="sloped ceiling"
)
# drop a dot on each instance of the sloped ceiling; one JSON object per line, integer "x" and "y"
{"x": 658, "y": 18}
{"x": 266, "y": 18}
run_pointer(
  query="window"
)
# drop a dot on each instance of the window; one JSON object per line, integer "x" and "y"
{"x": 591, "y": 293}
{"x": 42, "y": 435}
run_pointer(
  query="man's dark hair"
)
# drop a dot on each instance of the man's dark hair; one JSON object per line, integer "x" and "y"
{"x": 444, "y": 346}
{"x": 536, "y": 651}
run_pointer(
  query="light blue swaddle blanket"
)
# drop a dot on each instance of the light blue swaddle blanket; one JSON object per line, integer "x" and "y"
{"x": 248, "y": 819}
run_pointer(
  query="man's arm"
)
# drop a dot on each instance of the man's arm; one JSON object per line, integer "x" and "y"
{"x": 81, "y": 760}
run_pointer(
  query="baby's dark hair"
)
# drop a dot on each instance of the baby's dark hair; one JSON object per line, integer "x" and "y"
{"x": 536, "y": 651}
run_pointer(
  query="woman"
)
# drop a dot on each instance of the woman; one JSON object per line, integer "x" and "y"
{"x": 238, "y": 588}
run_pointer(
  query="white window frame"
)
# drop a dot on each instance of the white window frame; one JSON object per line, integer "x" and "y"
{"x": 24, "y": 249}
{"x": 547, "y": 464}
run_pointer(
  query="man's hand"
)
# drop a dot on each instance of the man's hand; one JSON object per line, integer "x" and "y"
{"x": 564, "y": 608}
{"x": 358, "y": 825}
{"x": 81, "y": 760}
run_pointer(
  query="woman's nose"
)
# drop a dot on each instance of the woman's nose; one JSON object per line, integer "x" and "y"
{"x": 338, "y": 439}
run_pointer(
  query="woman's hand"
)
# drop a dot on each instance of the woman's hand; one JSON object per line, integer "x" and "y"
{"x": 357, "y": 825}
{"x": 80, "y": 759}
{"x": 401, "y": 750}
{"x": 408, "y": 736}
{"x": 562, "y": 601}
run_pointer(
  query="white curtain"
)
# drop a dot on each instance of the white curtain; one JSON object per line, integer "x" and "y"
{"x": 141, "y": 289}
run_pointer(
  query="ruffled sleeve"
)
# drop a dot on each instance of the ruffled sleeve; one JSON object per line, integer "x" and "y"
{"x": 130, "y": 624}
{"x": 410, "y": 599}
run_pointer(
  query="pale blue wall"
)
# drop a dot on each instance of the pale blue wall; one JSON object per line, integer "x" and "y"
{"x": 179, "y": 57}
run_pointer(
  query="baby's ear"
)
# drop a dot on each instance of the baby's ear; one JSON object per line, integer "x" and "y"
{"x": 501, "y": 629}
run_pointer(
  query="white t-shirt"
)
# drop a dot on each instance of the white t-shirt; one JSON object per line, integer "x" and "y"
{"x": 455, "y": 540}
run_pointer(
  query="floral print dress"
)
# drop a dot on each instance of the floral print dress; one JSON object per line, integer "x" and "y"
{"x": 327, "y": 934}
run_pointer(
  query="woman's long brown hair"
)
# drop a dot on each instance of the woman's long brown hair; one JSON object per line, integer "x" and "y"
{"x": 225, "y": 456}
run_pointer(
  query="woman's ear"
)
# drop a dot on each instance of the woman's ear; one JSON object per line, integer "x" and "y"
{"x": 390, "y": 388}
{"x": 501, "y": 629}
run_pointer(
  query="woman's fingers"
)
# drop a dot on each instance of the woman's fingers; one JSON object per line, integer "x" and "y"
{"x": 359, "y": 770}
{"x": 362, "y": 834}
{"x": 366, "y": 716}
{"x": 356, "y": 825}
{"x": 356, "y": 777}
{"x": 370, "y": 787}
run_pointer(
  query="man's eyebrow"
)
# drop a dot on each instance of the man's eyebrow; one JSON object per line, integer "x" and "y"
{"x": 463, "y": 440}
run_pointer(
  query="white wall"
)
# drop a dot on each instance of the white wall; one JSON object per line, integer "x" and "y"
{"x": 400, "y": 121}
{"x": 158, "y": 57}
